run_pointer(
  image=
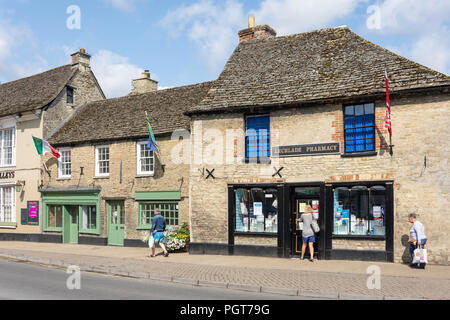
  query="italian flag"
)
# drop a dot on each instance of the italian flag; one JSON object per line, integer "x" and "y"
{"x": 44, "y": 147}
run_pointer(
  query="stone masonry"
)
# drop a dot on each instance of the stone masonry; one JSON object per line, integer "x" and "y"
{"x": 420, "y": 130}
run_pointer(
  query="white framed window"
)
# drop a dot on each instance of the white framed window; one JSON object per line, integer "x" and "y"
{"x": 102, "y": 161}
{"x": 145, "y": 159}
{"x": 7, "y": 203}
{"x": 8, "y": 147}
{"x": 65, "y": 163}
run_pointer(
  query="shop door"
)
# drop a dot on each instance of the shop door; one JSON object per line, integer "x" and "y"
{"x": 70, "y": 230}
{"x": 116, "y": 223}
{"x": 299, "y": 205}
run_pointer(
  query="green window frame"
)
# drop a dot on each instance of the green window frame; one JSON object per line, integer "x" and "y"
{"x": 54, "y": 218}
{"x": 168, "y": 209}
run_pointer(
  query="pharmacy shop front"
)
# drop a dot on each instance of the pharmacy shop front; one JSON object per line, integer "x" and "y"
{"x": 355, "y": 218}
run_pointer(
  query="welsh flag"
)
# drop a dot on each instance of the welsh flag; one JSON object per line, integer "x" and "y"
{"x": 43, "y": 147}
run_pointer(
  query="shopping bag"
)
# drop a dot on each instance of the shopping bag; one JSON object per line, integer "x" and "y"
{"x": 420, "y": 256}
{"x": 151, "y": 242}
{"x": 315, "y": 226}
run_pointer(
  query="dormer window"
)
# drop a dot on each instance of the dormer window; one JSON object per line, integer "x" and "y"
{"x": 69, "y": 95}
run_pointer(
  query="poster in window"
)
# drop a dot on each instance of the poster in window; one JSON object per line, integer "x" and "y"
{"x": 257, "y": 209}
{"x": 376, "y": 211}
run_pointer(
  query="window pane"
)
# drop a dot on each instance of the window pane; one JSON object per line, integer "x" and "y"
{"x": 349, "y": 111}
{"x": 242, "y": 222}
{"x": 341, "y": 211}
{"x": 369, "y": 108}
{"x": 359, "y": 110}
{"x": 89, "y": 217}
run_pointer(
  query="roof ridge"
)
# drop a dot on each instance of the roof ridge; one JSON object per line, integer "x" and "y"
{"x": 36, "y": 74}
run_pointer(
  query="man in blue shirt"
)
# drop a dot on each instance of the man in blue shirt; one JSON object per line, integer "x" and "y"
{"x": 157, "y": 230}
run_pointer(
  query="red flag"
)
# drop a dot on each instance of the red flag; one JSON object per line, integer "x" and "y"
{"x": 388, "y": 106}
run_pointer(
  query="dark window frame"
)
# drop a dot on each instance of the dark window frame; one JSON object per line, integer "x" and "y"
{"x": 365, "y": 152}
{"x": 257, "y": 159}
{"x": 70, "y": 94}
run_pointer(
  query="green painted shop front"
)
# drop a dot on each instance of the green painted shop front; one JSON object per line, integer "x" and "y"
{"x": 73, "y": 213}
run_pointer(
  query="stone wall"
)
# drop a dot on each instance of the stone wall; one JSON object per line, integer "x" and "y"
{"x": 86, "y": 89}
{"x": 174, "y": 178}
{"x": 420, "y": 129}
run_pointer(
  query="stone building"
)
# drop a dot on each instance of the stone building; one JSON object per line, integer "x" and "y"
{"x": 108, "y": 183}
{"x": 299, "y": 120}
{"x": 35, "y": 106}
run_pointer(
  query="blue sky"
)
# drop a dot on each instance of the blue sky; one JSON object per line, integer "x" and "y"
{"x": 185, "y": 42}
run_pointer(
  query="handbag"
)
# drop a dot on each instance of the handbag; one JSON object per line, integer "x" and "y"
{"x": 315, "y": 226}
{"x": 420, "y": 255}
{"x": 151, "y": 242}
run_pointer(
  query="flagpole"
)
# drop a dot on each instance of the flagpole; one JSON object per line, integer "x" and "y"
{"x": 158, "y": 153}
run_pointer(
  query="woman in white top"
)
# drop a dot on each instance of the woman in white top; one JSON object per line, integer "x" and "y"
{"x": 416, "y": 236}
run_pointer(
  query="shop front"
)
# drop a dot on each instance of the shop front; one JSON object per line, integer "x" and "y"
{"x": 73, "y": 214}
{"x": 355, "y": 219}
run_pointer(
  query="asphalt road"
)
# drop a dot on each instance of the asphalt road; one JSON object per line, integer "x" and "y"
{"x": 22, "y": 281}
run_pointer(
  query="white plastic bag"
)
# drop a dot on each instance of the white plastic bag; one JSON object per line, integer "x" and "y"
{"x": 420, "y": 256}
{"x": 151, "y": 242}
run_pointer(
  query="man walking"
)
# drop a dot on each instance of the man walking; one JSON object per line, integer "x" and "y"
{"x": 158, "y": 228}
{"x": 417, "y": 237}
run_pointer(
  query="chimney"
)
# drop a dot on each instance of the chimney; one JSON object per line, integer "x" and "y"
{"x": 81, "y": 60}
{"x": 144, "y": 84}
{"x": 258, "y": 32}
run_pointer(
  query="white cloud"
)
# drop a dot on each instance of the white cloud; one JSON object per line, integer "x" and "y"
{"x": 15, "y": 39}
{"x": 213, "y": 27}
{"x": 426, "y": 23}
{"x": 114, "y": 73}
{"x": 124, "y": 5}
{"x": 293, "y": 16}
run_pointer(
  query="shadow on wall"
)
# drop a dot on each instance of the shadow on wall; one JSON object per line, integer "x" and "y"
{"x": 406, "y": 256}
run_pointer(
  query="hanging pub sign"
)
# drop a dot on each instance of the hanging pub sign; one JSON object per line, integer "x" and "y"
{"x": 306, "y": 150}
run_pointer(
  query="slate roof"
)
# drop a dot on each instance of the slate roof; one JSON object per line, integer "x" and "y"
{"x": 317, "y": 65}
{"x": 124, "y": 117}
{"x": 31, "y": 93}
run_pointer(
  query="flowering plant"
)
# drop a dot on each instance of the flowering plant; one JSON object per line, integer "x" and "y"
{"x": 177, "y": 237}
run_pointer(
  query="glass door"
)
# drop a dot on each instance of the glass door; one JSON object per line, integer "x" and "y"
{"x": 299, "y": 204}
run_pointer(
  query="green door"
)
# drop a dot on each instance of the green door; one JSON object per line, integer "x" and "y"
{"x": 70, "y": 224}
{"x": 116, "y": 223}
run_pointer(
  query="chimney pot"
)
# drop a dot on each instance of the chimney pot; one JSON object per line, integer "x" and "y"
{"x": 251, "y": 21}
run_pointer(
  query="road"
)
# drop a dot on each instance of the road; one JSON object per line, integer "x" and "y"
{"x": 22, "y": 281}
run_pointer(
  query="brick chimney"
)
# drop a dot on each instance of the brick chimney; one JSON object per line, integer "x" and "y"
{"x": 81, "y": 60}
{"x": 144, "y": 84}
{"x": 258, "y": 32}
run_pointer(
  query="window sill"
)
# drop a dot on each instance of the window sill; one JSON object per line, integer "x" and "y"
{"x": 252, "y": 161}
{"x": 8, "y": 225}
{"x": 358, "y": 237}
{"x": 63, "y": 178}
{"x": 359, "y": 154}
{"x": 101, "y": 177}
{"x": 241, "y": 233}
{"x": 145, "y": 175}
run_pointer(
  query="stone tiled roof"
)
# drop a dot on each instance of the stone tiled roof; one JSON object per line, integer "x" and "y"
{"x": 323, "y": 64}
{"x": 33, "y": 92}
{"x": 123, "y": 118}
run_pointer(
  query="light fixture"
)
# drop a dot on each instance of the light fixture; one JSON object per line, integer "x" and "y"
{"x": 19, "y": 185}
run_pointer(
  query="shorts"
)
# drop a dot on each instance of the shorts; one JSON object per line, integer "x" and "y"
{"x": 311, "y": 239}
{"x": 159, "y": 237}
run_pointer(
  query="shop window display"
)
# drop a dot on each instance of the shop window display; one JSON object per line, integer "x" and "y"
{"x": 360, "y": 210}
{"x": 256, "y": 210}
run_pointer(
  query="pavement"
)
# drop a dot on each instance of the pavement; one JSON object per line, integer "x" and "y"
{"x": 327, "y": 279}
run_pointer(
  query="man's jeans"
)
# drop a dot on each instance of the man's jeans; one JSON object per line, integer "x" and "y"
{"x": 412, "y": 247}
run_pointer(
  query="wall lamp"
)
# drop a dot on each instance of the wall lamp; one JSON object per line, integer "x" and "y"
{"x": 19, "y": 185}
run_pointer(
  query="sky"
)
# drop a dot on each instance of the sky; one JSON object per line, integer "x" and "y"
{"x": 186, "y": 42}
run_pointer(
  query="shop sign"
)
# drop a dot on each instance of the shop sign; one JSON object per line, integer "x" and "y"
{"x": 30, "y": 215}
{"x": 306, "y": 150}
{"x": 7, "y": 175}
